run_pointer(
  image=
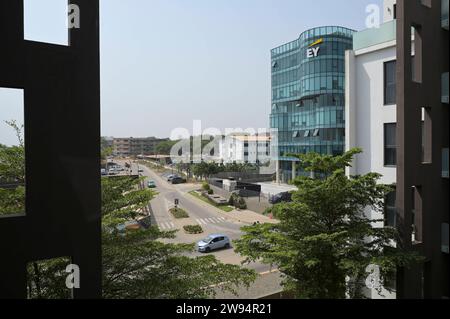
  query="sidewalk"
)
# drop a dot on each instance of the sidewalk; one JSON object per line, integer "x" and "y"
{"x": 249, "y": 217}
{"x": 242, "y": 216}
{"x": 266, "y": 284}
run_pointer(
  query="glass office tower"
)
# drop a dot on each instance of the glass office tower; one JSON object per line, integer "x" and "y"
{"x": 308, "y": 93}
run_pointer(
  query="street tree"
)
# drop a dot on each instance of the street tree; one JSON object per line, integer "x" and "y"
{"x": 324, "y": 241}
{"x": 138, "y": 264}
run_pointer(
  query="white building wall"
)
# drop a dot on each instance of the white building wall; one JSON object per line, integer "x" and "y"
{"x": 388, "y": 10}
{"x": 366, "y": 115}
{"x": 233, "y": 150}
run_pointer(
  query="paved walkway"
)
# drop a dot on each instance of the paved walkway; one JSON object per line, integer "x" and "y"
{"x": 267, "y": 284}
{"x": 242, "y": 216}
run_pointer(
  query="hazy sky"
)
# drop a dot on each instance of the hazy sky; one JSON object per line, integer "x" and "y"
{"x": 165, "y": 63}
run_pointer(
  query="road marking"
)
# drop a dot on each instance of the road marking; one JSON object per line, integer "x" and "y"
{"x": 200, "y": 222}
{"x": 211, "y": 220}
{"x": 166, "y": 225}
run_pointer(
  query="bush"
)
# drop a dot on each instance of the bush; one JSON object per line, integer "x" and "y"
{"x": 179, "y": 213}
{"x": 237, "y": 201}
{"x": 193, "y": 229}
{"x": 206, "y": 187}
{"x": 210, "y": 192}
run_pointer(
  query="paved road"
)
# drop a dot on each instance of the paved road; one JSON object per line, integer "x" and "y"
{"x": 200, "y": 213}
{"x": 212, "y": 221}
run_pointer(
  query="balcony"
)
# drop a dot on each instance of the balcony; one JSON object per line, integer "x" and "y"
{"x": 445, "y": 162}
{"x": 374, "y": 36}
{"x": 444, "y": 12}
{"x": 445, "y": 88}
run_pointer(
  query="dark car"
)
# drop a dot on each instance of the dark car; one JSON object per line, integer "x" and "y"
{"x": 280, "y": 198}
{"x": 178, "y": 180}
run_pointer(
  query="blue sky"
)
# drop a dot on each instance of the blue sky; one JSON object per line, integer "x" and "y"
{"x": 165, "y": 63}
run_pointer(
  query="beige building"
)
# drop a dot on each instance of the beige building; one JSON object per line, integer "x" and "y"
{"x": 130, "y": 146}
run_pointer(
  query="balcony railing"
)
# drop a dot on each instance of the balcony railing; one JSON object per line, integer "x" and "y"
{"x": 370, "y": 37}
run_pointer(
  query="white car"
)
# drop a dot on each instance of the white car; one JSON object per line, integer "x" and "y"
{"x": 213, "y": 242}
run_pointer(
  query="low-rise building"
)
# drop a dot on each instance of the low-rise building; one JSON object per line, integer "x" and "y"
{"x": 243, "y": 148}
{"x": 130, "y": 146}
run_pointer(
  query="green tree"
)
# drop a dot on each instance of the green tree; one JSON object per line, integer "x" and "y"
{"x": 165, "y": 147}
{"x": 323, "y": 236}
{"x": 137, "y": 264}
{"x": 106, "y": 150}
{"x": 12, "y": 174}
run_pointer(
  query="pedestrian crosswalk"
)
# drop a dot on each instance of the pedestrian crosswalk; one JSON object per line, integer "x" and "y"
{"x": 212, "y": 220}
{"x": 166, "y": 226}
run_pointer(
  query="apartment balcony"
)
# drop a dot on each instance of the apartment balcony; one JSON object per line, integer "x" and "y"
{"x": 375, "y": 36}
{"x": 445, "y": 162}
{"x": 445, "y": 88}
{"x": 444, "y": 20}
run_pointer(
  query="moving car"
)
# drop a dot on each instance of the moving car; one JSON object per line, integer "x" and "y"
{"x": 213, "y": 242}
{"x": 151, "y": 184}
{"x": 178, "y": 180}
{"x": 280, "y": 198}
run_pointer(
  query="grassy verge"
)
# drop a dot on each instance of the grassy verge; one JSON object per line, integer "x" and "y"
{"x": 193, "y": 229}
{"x": 224, "y": 208}
{"x": 179, "y": 213}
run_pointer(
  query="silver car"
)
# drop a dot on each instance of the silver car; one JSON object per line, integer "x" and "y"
{"x": 213, "y": 242}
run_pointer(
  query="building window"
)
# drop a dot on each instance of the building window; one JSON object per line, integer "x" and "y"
{"x": 390, "y": 144}
{"x": 390, "y": 88}
{"x": 390, "y": 210}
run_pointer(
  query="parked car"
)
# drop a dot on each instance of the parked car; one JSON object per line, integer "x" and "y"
{"x": 103, "y": 172}
{"x": 213, "y": 242}
{"x": 280, "y": 198}
{"x": 151, "y": 184}
{"x": 112, "y": 171}
{"x": 170, "y": 177}
{"x": 178, "y": 180}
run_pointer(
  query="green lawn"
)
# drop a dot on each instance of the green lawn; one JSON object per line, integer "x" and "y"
{"x": 225, "y": 208}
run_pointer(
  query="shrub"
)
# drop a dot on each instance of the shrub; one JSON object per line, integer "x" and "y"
{"x": 193, "y": 229}
{"x": 206, "y": 187}
{"x": 237, "y": 201}
{"x": 210, "y": 192}
{"x": 241, "y": 204}
{"x": 179, "y": 213}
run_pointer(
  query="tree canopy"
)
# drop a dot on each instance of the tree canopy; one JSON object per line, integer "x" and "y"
{"x": 325, "y": 240}
{"x": 138, "y": 264}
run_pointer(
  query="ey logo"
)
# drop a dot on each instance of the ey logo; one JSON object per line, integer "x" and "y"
{"x": 314, "y": 49}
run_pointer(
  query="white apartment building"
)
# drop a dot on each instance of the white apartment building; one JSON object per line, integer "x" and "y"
{"x": 371, "y": 113}
{"x": 371, "y": 124}
{"x": 243, "y": 148}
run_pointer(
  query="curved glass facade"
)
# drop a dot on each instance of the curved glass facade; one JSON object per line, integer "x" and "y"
{"x": 308, "y": 92}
